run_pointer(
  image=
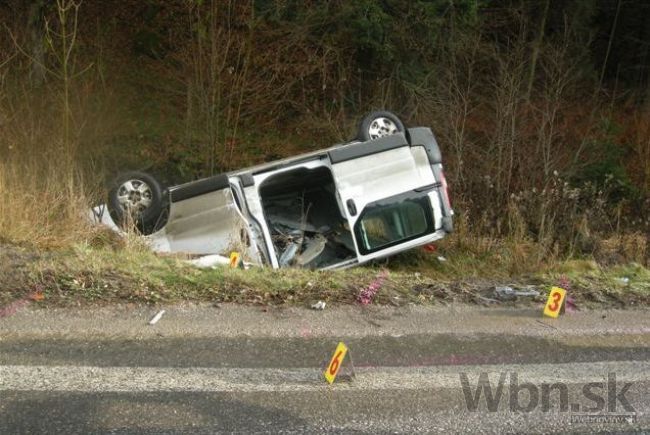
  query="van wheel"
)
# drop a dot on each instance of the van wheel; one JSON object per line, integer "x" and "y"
{"x": 135, "y": 198}
{"x": 379, "y": 124}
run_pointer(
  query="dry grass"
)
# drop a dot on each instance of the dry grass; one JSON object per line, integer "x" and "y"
{"x": 623, "y": 248}
{"x": 475, "y": 249}
{"x": 42, "y": 206}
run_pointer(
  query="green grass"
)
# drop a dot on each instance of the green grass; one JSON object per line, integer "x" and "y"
{"x": 618, "y": 286}
{"x": 132, "y": 274}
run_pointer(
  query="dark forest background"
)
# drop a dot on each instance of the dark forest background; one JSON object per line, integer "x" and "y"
{"x": 541, "y": 107}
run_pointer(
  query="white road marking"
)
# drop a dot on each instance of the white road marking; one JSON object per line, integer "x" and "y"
{"x": 197, "y": 379}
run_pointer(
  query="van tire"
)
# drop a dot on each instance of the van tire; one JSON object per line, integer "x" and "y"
{"x": 379, "y": 124}
{"x": 137, "y": 192}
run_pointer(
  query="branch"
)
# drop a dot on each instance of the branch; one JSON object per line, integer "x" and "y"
{"x": 29, "y": 56}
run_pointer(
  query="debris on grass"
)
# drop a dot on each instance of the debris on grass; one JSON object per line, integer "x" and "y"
{"x": 209, "y": 261}
{"x": 509, "y": 293}
{"x": 37, "y": 296}
{"x": 320, "y": 305}
{"x": 429, "y": 248}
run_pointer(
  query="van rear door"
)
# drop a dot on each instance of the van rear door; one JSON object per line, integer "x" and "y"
{"x": 388, "y": 191}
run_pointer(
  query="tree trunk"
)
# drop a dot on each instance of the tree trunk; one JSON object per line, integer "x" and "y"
{"x": 644, "y": 70}
{"x": 536, "y": 47}
{"x": 36, "y": 26}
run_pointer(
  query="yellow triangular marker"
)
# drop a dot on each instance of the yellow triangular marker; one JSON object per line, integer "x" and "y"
{"x": 554, "y": 302}
{"x": 336, "y": 362}
{"x": 235, "y": 259}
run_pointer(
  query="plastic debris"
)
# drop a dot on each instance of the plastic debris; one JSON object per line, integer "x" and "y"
{"x": 430, "y": 247}
{"x": 441, "y": 259}
{"x": 157, "y": 317}
{"x": 210, "y": 261}
{"x": 508, "y": 293}
{"x": 320, "y": 305}
{"x": 625, "y": 280}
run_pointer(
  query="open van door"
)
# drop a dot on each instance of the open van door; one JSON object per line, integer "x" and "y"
{"x": 389, "y": 194}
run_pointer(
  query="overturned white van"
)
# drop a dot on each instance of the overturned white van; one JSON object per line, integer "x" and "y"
{"x": 332, "y": 208}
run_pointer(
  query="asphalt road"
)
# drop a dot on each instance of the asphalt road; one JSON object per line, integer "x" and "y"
{"x": 251, "y": 370}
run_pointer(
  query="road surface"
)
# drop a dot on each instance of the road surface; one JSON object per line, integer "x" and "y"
{"x": 203, "y": 369}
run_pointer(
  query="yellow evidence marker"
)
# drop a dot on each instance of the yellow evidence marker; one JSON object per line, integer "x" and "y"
{"x": 336, "y": 361}
{"x": 235, "y": 259}
{"x": 554, "y": 302}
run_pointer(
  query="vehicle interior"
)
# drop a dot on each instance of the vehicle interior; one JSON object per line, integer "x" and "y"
{"x": 306, "y": 224}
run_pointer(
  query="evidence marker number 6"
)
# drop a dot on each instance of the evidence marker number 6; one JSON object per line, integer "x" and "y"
{"x": 335, "y": 363}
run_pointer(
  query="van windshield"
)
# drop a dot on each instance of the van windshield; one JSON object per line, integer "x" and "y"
{"x": 390, "y": 222}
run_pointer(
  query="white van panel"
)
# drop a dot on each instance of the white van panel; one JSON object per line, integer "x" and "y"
{"x": 204, "y": 224}
{"x": 371, "y": 178}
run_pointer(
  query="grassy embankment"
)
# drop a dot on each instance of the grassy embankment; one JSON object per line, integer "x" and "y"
{"x": 49, "y": 250}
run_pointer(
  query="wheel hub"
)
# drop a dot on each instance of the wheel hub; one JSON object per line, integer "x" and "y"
{"x": 381, "y": 127}
{"x": 134, "y": 196}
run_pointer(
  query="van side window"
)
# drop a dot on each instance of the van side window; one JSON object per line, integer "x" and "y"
{"x": 393, "y": 221}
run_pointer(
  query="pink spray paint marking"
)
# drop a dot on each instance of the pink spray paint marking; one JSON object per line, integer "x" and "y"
{"x": 368, "y": 294}
{"x": 12, "y": 308}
